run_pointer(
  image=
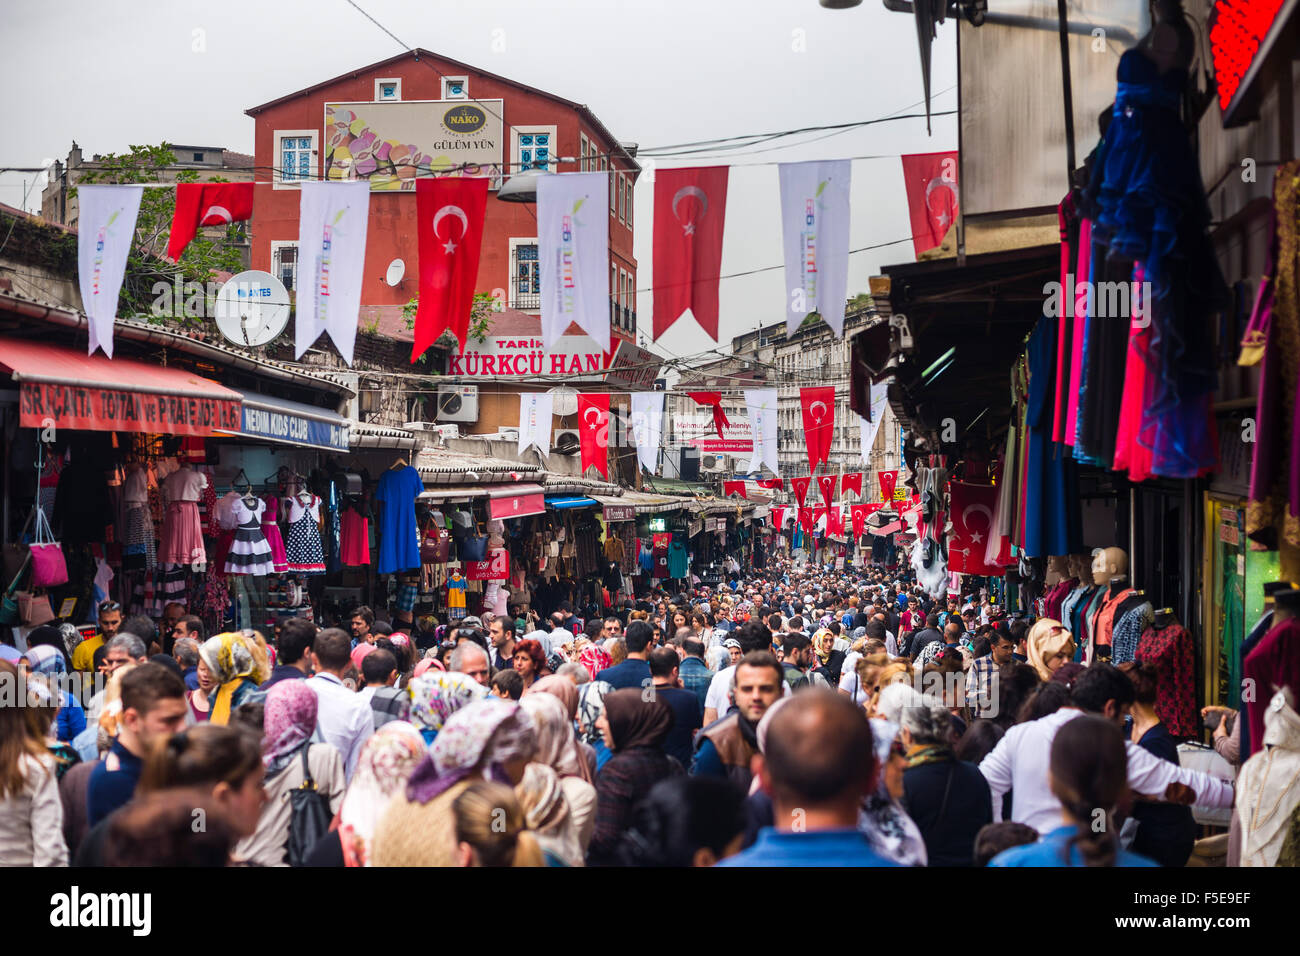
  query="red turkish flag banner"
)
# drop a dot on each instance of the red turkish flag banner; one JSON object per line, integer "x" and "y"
{"x": 818, "y": 421}
{"x": 887, "y": 481}
{"x": 858, "y": 514}
{"x": 972, "y": 523}
{"x": 819, "y": 512}
{"x": 450, "y": 212}
{"x": 827, "y": 485}
{"x": 714, "y": 400}
{"x": 778, "y": 518}
{"x": 835, "y": 521}
{"x": 690, "y": 207}
{"x": 806, "y": 520}
{"x": 774, "y": 483}
{"x": 800, "y": 486}
{"x": 931, "y": 182}
{"x": 730, "y": 488}
{"x": 206, "y": 204}
{"x": 593, "y": 432}
{"x": 852, "y": 482}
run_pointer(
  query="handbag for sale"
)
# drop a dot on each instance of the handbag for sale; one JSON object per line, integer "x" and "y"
{"x": 49, "y": 568}
{"x": 34, "y": 610}
{"x": 474, "y": 548}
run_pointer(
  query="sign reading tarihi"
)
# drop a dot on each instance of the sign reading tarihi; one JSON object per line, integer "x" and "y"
{"x": 390, "y": 143}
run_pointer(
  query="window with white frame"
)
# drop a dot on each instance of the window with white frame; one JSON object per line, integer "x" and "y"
{"x": 284, "y": 263}
{"x": 388, "y": 89}
{"x": 613, "y": 295}
{"x": 534, "y": 147}
{"x": 583, "y": 149}
{"x": 613, "y": 195}
{"x": 627, "y": 191}
{"x": 525, "y": 275}
{"x": 295, "y": 151}
{"x": 455, "y": 87}
{"x": 631, "y": 302}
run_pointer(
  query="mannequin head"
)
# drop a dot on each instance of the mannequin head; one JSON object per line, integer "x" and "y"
{"x": 1058, "y": 569}
{"x": 1108, "y": 563}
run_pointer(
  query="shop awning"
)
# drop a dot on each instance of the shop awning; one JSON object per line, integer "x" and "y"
{"x": 564, "y": 502}
{"x": 452, "y": 492}
{"x": 515, "y": 501}
{"x": 292, "y": 423}
{"x": 93, "y": 392}
{"x": 367, "y": 435}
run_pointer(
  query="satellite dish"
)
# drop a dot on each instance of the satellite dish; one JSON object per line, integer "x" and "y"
{"x": 252, "y": 308}
{"x": 564, "y": 401}
{"x": 396, "y": 269}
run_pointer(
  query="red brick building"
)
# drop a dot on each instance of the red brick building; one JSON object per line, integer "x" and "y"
{"x": 388, "y": 121}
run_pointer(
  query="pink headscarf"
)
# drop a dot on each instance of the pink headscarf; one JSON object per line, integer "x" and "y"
{"x": 289, "y": 719}
{"x": 595, "y": 659}
{"x": 359, "y": 654}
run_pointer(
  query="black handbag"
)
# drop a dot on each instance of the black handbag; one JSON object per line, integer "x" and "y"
{"x": 310, "y": 816}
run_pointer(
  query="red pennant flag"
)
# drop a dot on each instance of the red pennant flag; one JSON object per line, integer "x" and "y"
{"x": 972, "y": 523}
{"x": 778, "y": 518}
{"x": 593, "y": 431}
{"x": 887, "y": 481}
{"x": 776, "y": 483}
{"x": 827, "y": 485}
{"x": 835, "y": 521}
{"x": 818, "y": 421}
{"x": 931, "y": 181}
{"x": 859, "y": 513}
{"x": 730, "y": 488}
{"x": 806, "y": 520}
{"x": 819, "y": 512}
{"x": 206, "y": 204}
{"x": 873, "y": 506}
{"x": 713, "y": 399}
{"x": 690, "y": 205}
{"x": 449, "y": 228}
{"x": 853, "y": 481}
{"x": 800, "y": 486}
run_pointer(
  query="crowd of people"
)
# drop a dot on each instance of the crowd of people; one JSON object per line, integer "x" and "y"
{"x": 796, "y": 716}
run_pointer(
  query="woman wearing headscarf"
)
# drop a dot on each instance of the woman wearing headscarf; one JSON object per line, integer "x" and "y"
{"x": 1050, "y": 646}
{"x": 288, "y": 722}
{"x": 557, "y": 748}
{"x": 47, "y": 660}
{"x": 233, "y": 670}
{"x": 634, "y": 730}
{"x": 436, "y": 695}
{"x": 490, "y": 739}
{"x": 594, "y": 659}
{"x": 591, "y": 705}
{"x": 549, "y": 814}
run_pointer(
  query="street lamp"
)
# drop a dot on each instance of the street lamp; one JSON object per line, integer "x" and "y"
{"x": 522, "y": 186}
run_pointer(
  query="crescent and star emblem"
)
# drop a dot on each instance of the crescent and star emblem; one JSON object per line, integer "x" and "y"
{"x": 975, "y": 536}
{"x": 940, "y": 183}
{"x": 817, "y": 416}
{"x": 688, "y": 228}
{"x": 217, "y": 215}
{"x": 450, "y": 246}
{"x": 592, "y": 415}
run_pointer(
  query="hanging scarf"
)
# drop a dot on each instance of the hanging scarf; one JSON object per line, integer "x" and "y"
{"x": 230, "y": 661}
{"x": 289, "y": 719}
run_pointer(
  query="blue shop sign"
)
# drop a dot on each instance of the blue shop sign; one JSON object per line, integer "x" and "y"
{"x": 308, "y": 427}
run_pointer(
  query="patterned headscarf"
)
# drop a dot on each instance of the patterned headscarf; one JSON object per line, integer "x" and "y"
{"x": 482, "y": 737}
{"x": 46, "y": 659}
{"x": 557, "y": 746}
{"x": 591, "y": 704}
{"x": 386, "y": 762}
{"x": 230, "y": 660}
{"x": 542, "y": 798}
{"x": 436, "y": 695}
{"x": 560, "y": 687}
{"x": 288, "y": 723}
{"x": 594, "y": 658}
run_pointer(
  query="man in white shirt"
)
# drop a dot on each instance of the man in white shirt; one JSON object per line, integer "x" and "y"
{"x": 1020, "y": 761}
{"x": 753, "y": 636}
{"x": 342, "y": 717}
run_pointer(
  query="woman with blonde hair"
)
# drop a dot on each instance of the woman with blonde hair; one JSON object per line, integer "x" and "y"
{"x": 897, "y": 672}
{"x": 491, "y": 829}
{"x": 31, "y": 813}
{"x": 1050, "y": 645}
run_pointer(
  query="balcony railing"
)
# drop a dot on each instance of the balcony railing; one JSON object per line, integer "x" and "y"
{"x": 525, "y": 293}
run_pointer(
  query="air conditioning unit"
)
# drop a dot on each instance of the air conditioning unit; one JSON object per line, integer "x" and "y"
{"x": 566, "y": 441}
{"x": 457, "y": 403}
{"x": 353, "y": 381}
{"x": 713, "y": 464}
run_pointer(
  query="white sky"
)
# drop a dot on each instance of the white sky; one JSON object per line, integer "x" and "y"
{"x": 110, "y": 73}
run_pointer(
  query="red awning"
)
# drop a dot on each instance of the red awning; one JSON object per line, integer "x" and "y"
{"x": 69, "y": 389}
{"x": 515, "y": 501}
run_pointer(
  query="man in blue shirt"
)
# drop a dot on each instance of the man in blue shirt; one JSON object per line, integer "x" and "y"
{"x": 633, "y": 672}
{"x": 693, "y": 672}
{"x": 817, "y": 766}
{"x": 688, "y": 711}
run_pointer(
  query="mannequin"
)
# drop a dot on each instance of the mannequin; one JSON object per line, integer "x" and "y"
{"x": 1110, "y": 571}
{"x": 1164, "y": 617}
{"x": 1109, "y": 565}
{"x": 1057, "y": 570}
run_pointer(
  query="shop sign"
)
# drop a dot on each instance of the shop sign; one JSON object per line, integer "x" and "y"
{"x": 633, "y": 368}
{"x": 495, "y": 568}
{"x": 1229, "y": 533}
{"x": 296, "y": 429}
{"x": 111, "y": 409}
{"x": 900, "y": 494}
{"x": 717, "y": 524}
{"x": 577, "y": 357}
{"x": 700, "y": 432}
{"x": 620, "y": 512}
{"x": 694, "y": 528}
{"x": 516, "y": 506}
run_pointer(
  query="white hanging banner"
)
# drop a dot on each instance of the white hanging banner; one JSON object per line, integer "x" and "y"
{"x": 105, "y": 228}
{"x": 332, "y": 221}
{"x": 648, "y": 427}
{"x": 868, "y": 429}
{"x": 762, "y": 404}
{"x": 573, "y": 249}
{"x": 815, "y": 226}
{"x": 535, "y": 421}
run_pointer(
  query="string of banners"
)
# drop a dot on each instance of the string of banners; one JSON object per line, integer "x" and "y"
{"x": 572, "y": 238}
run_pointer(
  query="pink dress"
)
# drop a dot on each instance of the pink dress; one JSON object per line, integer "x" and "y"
{"x": 272, "y": 532}
{"x": 182, "y": 533}
{"x": 355, "y": 534}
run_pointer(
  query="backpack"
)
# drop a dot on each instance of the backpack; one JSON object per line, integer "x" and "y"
{"x": 795, "y": 678}
{"x": 310, "y": 816}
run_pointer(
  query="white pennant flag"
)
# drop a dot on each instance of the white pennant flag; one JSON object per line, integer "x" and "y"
{"x": 868, "y": 429}
{"x": 332, "y": 221}
{"x": 815, "y": 223}
{"x": 535, "y": 421}
{"x": 762, "y": 422}
{"x": 573, "y": 249}
{"x": 648, "y": 427}
{"x": 106, "y": 227}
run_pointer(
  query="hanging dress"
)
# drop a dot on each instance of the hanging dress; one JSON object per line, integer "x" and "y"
{"x": 279, "y": 558}
{"x": 139, "y": 548}
{"x": 182, "y": 532}
{"x": 250, "y": 552}
{"x": 355, "y": 536}
{"x": 303, "y": 549}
